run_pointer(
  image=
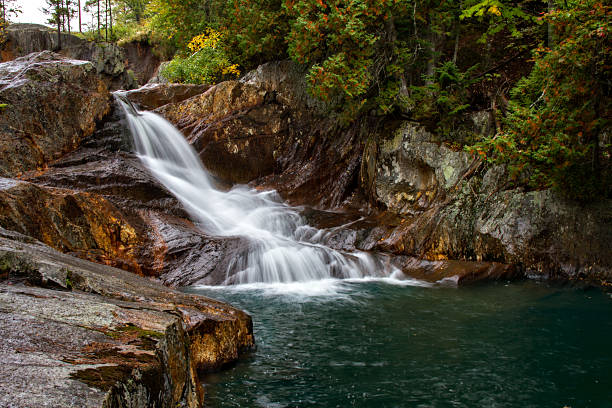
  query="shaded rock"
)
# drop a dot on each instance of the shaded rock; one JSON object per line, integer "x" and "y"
{"x": 82, "y": 334}
{"x": 456, "y": 209}
{"x": 157, "y": 77}
{"x": 456, "y": 272}
{"x": 141, "y": 60}
{"x": 152, "y": 96}
{"x": 186, "y": 256}
{"x": 411, "y": 171}
{"x": 52, "y": 103}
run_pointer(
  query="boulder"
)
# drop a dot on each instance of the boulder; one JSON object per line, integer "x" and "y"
{"x": 74, "y": 333}
{"x": 49, "y": 104}
{"x": 121, "y": 68}
{"x": 153, "y": 96}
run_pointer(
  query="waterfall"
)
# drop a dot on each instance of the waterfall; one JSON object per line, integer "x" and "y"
{"x": 282, "y": 247}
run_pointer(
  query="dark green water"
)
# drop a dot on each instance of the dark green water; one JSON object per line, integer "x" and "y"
{"x": 372, "y": 344}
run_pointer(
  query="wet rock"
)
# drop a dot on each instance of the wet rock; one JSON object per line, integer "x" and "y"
{"x": 82, "y": 334}
{"x": 152, "y": 96}
{"x": 81, "y": 223}
{"x": 265, "y": 129}
{"x": 449, "y": 272}
{"x": 232, "y": 128}
{"x": 52, "y": 103}
{"x": 110, "y": 61}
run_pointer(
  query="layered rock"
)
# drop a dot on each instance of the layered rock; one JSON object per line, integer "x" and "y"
{"x": 76, "y": 333}
{"x": 455, "y": 208}
{"x": 266, "y": 128}
{"x": 49, "y": 105}
{"x": 153, "y": 96}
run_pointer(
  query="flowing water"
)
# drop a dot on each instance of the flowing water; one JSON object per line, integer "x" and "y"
{"x": 282, "y": 247}
{"x": 375, "y": 344}
{"x": 372, "y": 340}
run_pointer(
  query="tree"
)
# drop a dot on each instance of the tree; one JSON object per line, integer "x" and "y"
{"x": 559, "y": 113}
{"x": 93, "y": 6}
{"x": 55, "y": 9}
{"x": 9, "y": 8}
{"x": 176, "y": 22}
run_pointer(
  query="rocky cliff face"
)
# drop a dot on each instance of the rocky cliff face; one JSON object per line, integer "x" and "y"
{"x": 121, "y": 67}
{"x": 456, "y": 208}
{"x": 436, "y": 203}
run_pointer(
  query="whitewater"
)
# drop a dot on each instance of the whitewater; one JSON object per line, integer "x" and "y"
{"x": 282, "y": 249}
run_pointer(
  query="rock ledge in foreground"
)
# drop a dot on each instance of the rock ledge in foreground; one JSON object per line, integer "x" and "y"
{"x": 78, "y": 334}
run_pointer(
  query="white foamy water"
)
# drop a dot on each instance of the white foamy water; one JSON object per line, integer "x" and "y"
{"x": 282, "y": 247}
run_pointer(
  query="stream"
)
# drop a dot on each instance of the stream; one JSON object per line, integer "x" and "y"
{"x": 378, "y": 344}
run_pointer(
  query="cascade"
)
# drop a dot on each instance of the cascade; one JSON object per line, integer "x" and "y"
{"x": 283, "y": 248}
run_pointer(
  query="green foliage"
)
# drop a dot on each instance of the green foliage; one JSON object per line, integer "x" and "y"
{"x": 442, "y": 100}
{"x": 208, "y": 62}
{"x": 256, "y": 31}
{"x": 499, "y": 15}
{"x": 175, "y": 22}
{"x": 554, "y": 134}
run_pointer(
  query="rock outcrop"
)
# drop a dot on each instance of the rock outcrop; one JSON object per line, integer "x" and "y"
{"x": 76, "y": 333}
{"x": 49, "y": 104}
{"x": 265, "y": 127}
{"x": 121, "y": 67}
{"x": 456, "y": 208}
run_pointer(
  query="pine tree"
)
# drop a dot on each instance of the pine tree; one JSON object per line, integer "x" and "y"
{"x": 9, "y": 8}
{"x": 54, "y": 9}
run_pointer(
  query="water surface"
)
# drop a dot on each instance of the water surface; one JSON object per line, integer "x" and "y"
{"x": 375, "y": 344}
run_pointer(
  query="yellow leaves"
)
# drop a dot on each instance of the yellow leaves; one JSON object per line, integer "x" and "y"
{"x": 494, "y": 10}
{"x": 231, "y": 70}
{"x": 209, "y": 39}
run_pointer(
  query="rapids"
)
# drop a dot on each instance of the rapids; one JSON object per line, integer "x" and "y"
{"x": 283, "y": 248}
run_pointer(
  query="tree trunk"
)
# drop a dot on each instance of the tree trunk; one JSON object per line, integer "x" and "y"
{"x": 110, "y": 13}
{"x": 456, "y": 51}
{"x": 68, "y": 12}
{"x": 106, "y": 20}
{"x": 98, "y": 3}
{"x": 80, "y": 29}
{"x": 59, "y": 25}
{"x": 551, "y": 35}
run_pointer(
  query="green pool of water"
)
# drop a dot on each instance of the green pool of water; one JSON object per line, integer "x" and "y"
{"x": 374, "y": 344}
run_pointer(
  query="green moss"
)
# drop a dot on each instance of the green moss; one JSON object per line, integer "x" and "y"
{"x": 102, "y": 378}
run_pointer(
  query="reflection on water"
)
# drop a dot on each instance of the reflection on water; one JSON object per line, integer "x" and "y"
{"x": 372, "y": 344}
